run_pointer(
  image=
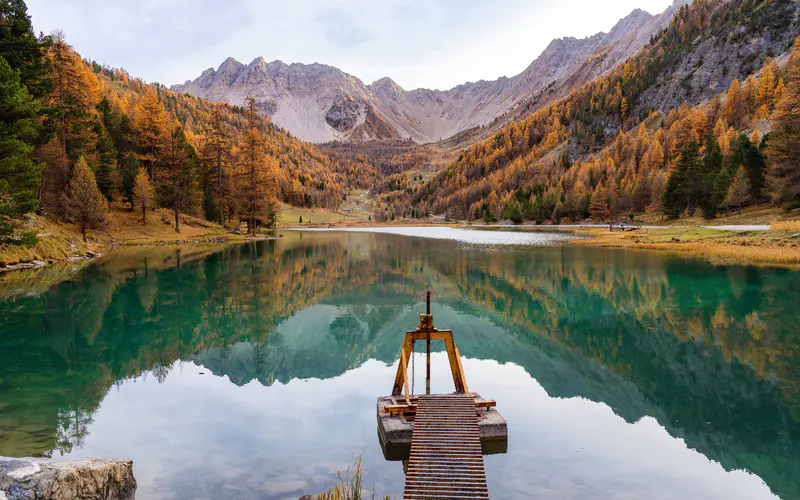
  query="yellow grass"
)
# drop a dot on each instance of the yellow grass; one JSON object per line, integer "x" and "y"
{"x": 721, "y": 247}
{"x": 126, "y": 228}
{"x": 56, "y": 242}
{"x": 786, "y": 225}
{"x": 758, "y": 214}
{"x": 289, "y": 216}
{"x": 59, "y": 241}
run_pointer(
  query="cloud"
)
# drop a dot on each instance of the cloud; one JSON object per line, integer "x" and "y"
{"x": 342, "y": 29}
{"x": 437, "y": 44}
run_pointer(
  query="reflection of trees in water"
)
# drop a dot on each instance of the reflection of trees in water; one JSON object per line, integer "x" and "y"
{"x": 681, "y": 331}
{"x": 73, "y": 427}
{"x": 350, "y": 332}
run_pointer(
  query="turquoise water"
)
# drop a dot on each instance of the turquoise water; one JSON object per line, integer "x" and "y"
{"x": 251, "y": 371}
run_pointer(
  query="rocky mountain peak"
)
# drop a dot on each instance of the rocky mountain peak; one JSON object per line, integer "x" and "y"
{"x": 386, "y": 88}
{"x": 320, "y": 103}
{"x": 230, "y": 64}
{"x": 630, "y": 23}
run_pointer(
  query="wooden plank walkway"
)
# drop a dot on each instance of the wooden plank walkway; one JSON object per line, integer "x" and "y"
{"x": 446, "y": 460}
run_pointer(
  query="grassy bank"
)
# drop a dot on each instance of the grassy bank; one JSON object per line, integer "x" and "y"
{"x": 776, "y": 246}
{"x": 60, "y": 241}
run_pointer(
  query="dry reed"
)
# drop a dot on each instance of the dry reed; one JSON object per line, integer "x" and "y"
{"x": 350, "y": 485}
{"x": 785, "y": 225}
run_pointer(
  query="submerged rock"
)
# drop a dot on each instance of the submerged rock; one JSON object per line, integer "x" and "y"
{"x": 89, "y": 479}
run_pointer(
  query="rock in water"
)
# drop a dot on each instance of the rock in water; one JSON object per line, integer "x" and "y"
{"x": 90, "y": 479}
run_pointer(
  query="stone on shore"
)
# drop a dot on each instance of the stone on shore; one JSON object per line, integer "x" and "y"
{"x": 89, "y": 479}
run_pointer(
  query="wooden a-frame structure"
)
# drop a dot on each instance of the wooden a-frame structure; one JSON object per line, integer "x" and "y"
{"x": 427, "y": 332}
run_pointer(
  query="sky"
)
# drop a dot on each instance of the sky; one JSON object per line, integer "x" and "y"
{"x": 434, "y": 44}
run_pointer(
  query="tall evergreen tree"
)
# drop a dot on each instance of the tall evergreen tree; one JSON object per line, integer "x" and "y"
{"x": 106, "y": 161}
{"x": 177, "y": 167}
{"x": 215, "y": 158}
{"x": 739, "y": 192}
{"x": 22, "y": 50}
{"x": 683, "y": 185}
{"x": 750, "y": 156}
{"x": 129, "y": 169}
{"x": 20, "y": 175}
{"x": 712, "y": 164}
{"x": 721, "y": 184}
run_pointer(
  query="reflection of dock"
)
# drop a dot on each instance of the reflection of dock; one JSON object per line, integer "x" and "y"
{"x": 441, "y": 438}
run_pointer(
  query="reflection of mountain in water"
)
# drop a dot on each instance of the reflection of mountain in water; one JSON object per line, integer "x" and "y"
{"x": 710, "y": 352}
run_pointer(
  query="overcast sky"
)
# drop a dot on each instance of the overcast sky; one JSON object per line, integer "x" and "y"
{"x": 417, "y": 43}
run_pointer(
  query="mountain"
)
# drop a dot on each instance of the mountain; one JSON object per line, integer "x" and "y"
{"x": 320, "y": 103}
{"x": 611, "y": 147}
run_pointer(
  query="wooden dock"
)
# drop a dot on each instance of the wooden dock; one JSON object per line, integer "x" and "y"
{"x": 446, "y": 460}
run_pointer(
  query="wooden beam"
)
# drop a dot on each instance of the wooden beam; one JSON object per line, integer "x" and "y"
{"x": 455, "y": 364}
{"x": 460, "y": 368}
{"x": 435, "y": 334}
{"x": 401, "y": 379}
{"x": 399, "y": 409}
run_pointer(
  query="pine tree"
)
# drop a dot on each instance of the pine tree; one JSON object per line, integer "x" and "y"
{"x": 129, "y": 169}
{"x": 106, "y": 162}
{"x": 672, "y": 200}
{"x": 739, "y": 192}
{"x": 712, "y": 164}
{"x": 748, "y": 155}
{"x": 784, "y": 143}
{"x": 720, "y": 191}
{"x": 85, "y": 203}
{"x": 683, "y": 186}
{"x": 177, "y": 164}
{"x": 642, "y": 192}
{"x": 22, "y": 50}
{"x": 143, "y": 193}
{"x": 20, "y": 175}
{"x": 215, "y": 157}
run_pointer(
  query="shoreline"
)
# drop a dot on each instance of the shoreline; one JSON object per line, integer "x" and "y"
{"x": 718, "y": 246}
{"x": 745, "y": 244}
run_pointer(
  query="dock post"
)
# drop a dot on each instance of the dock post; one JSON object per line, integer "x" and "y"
{"x": 428, "y": 347}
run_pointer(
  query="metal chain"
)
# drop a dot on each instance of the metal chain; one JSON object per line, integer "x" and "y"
{"x": 413, "y": 355}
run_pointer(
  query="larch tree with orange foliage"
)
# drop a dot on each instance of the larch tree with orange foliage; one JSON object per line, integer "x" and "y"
{"x": 783, "y": 150}
{"x": 176, "y": 167}
{"x": 255, "y": 180}
{"x": 150, "y": 123}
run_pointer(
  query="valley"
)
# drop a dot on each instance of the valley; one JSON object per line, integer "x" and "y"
{"x": 210, "y": 281}
{"x": 665, "y": 117}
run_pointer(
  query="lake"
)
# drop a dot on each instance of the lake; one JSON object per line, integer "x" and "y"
{"x": 251, "y": 371}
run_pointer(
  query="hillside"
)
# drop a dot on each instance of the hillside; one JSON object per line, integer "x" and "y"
{"x": 595, "y": 135}
{"x": 320, "y": 103}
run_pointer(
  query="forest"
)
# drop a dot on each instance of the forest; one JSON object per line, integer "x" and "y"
{"x": 80, "y": 139}
{"x": 601, "y": 153}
